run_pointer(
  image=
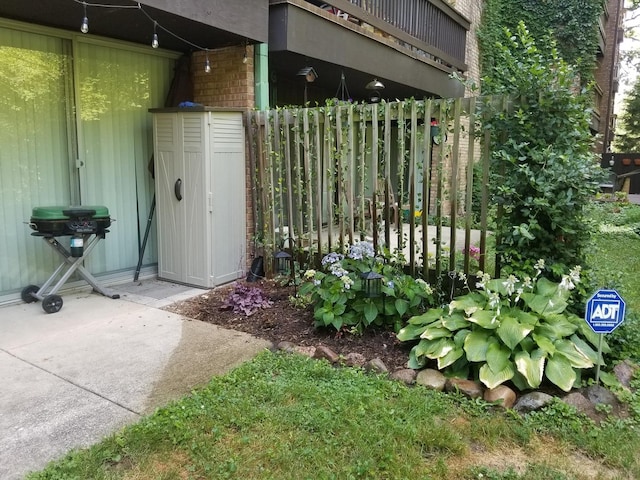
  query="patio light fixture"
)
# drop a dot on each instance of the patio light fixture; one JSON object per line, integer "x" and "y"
{"x": 372, "y": 284}
{"x": 376, "y": 86}
{"x": 244, "y": 58}
{"x": 310, "y": 75}
{"x": 155, "y": 43}
{"x": 284, "y": 262}
{"x": 207, "y": 64}
{"x": 84, "y": 28}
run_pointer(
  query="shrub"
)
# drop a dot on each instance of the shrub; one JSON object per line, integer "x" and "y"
{"x": 510, "y": 329}
{"x": 246, "y": 300}
{"x": 340, "y": 300}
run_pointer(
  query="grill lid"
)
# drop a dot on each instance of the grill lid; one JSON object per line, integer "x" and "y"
{"x": 58, "y": 212}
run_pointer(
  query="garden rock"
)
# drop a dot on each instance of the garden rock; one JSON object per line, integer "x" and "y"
{"x": 354, "y": 360}
{"x": 376, "y": 365}
{"x": 432, "y": 379}
{"x": 326, "y": 353}
{"x": 624, "y": 372}
{"x": 581, "y": 404}
{"x": 598, "y": 394}
{"x": 532, "y": 401}
{"x": 466, "y": 387}
{"x": 306, "y": 351}
{"x": 286, "y": 347}
{"x": 502, "y": 395}
{"x": 405, "y": 375}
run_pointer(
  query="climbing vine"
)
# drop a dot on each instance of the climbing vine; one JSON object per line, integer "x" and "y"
{"x": 573, "y": 24}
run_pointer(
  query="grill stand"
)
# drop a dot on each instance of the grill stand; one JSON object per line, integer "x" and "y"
{"x": 51, "y": 302}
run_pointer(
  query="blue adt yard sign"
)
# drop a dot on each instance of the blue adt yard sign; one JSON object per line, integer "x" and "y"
{"x": 605, "y": 311}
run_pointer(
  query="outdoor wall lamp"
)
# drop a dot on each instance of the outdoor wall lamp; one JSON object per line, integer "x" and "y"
{"x": 376, "y": 86}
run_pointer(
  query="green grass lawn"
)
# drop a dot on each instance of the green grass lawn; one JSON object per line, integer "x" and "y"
{"x": 286, "y": 416}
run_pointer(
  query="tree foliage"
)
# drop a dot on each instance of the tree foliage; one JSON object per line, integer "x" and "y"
{"x": 628, "y": 134}
{"x": 543, "y": 168}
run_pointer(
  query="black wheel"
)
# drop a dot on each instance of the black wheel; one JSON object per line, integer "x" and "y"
{"x": 52, "y": 303}
{"x": 26, "y": 294}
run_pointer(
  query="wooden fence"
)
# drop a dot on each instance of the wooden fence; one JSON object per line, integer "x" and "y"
{"x": 398, "y": 174}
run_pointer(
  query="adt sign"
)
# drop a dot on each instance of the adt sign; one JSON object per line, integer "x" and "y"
{"x": 605, "y": 311}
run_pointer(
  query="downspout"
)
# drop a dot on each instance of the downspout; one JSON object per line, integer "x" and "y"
{"x": 606, "y": 144}
{"x": 261, "y": 62}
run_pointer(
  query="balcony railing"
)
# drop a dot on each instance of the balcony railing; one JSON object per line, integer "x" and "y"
{"x": 429, "y": 27}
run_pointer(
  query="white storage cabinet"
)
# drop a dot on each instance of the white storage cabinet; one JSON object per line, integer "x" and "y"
{"x": 200, "y": 195}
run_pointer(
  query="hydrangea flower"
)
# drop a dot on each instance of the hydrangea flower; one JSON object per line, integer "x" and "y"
{"x": 337, "y": 270}
{"x": 361, "y": 250}
{"x": 331, "y": 258}
{"x": 347, "y": 282}
{"x": 427, "y": 288}
{"x": 309, "y": 274}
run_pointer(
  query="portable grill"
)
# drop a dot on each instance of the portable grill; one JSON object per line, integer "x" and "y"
{"x": 86, "y": 225}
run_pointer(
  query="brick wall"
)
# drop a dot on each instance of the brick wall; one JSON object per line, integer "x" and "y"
{"x": 229, "y": 84}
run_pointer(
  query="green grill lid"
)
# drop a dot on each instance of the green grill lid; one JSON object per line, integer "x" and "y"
{"x": 55, "y": 212}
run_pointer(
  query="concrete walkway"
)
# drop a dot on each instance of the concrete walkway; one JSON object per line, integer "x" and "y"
{"x": 70, "y": 378}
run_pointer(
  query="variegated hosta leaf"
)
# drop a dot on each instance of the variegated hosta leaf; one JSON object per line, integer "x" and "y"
{"x": 560, "y": 373}
{"x": 439, "y": 348}
{"x": 450, "y": 358}
{"x": 485, "y": 319}
{"x": 544, "y": 305}
{"x": 556, "y": 327}
{"x": 492, "y": 379}
{"x": 576, "y": 358}
{"x": 460, "y": 337}
{"x": 416, "y": 362}
{"x": 511, "y": 332}
{"x": 544, "y": 343}
{"x": 531, "y": 366}
{"x": 469, "y": 302}
{"x": 584, "y": 348}
{"x": 498, "y": 356}
{"x": 432, "y": 333}
{"x": 410, "y": 332}
{"x": 427, "y": 317}
{"x": 454, "y": 322}
{"x": 592, "y": 337}
{"x": 525, "y": 317}
{"x": 475, "y": 345}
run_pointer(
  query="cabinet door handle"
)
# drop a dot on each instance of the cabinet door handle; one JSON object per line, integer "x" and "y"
{"x": 177, "y": 189}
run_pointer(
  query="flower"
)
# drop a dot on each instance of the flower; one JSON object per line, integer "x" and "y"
{"x": 474, "y": 252}
{"x": 347, "y": 282}
{"x": 331, "y": 258}
{"x": 337, "y": 270}
{"x": 391, "y": 285}
{"x": 494, "y": 299}
{"x": 361, "y": 250}
{"x": 427, "y": 288}
{"x": 510, "y": 284}
{"x": 309, "y": 274}
{"x": 567, "y": 283}
{"x": 539, "y": 266}
{"x": 484, "y": 278}
{"x": 574, "y": 274}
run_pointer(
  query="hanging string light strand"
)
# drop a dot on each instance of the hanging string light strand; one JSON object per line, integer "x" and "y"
{"x": 155, "y": 42}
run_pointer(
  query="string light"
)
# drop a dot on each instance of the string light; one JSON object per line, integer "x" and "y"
{"x": 84, "y": 28}
{"x": 155, "y": 43}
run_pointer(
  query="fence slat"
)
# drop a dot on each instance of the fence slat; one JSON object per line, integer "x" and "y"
{"x": 426, "y": 187}
{"x": 470, "y": 184}
{"x": 412, "y": 188}
{"x": 291, "y": 233}
{"x": 453, "y": 213}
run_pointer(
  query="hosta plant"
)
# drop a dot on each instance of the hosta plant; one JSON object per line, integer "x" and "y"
{"x": 339, "y": 298}
{"x": 510, "y": 329}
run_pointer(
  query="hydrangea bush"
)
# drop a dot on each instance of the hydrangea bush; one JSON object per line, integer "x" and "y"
{"x": 339, "y": 299}
{"x": 510, "y": 329}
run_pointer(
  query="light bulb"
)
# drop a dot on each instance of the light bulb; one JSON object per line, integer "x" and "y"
{"x": 245, "y": 59}
{"x": 155, "y": 43}
{"x": 207, "y": 66}
{"x": 84, "y": 28}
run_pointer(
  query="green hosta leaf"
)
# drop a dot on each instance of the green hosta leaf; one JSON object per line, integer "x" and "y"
{"x": 468, "y": 303}
{"x": 543, "y": 305}
{"x": 556, "y": 327}
{"x": 410, "y": 332}
{"x": 531, "y": 367}
{"x": 520, "y": 381}
{"x": 475, "y": 345}
{"x": 511, "y": 332}
{"x": 428, "y": 317}
{"x": 415, "y": 361}
{"x": 459, "y": 368}
{"x": 498, "y": 357}
{"x": 439, "y": 348}
{"x": 584, "y": 348}
{"x": 546, "y": 287}
{"x": 544, "y": 343}
{"x": 460, "y": 337}
{"x": 485, "y": 318}
{"x": 497, "y": 285}
{"x": 576, "y": 358}
{"x": 560, "y": 373}
{"x": 525, "y": 317}
{"x": 450, "y": 358}
{"x": 592, "y": 337}
{"x": 370, "y": 312}
{"x": 402, "y": 306}
{"x": 432, "y": 333}
{"x": 492, "y": 379}
{"x": 454, "y": 322}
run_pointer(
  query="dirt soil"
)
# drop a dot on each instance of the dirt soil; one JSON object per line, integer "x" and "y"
{"x": 284, "y": 322}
